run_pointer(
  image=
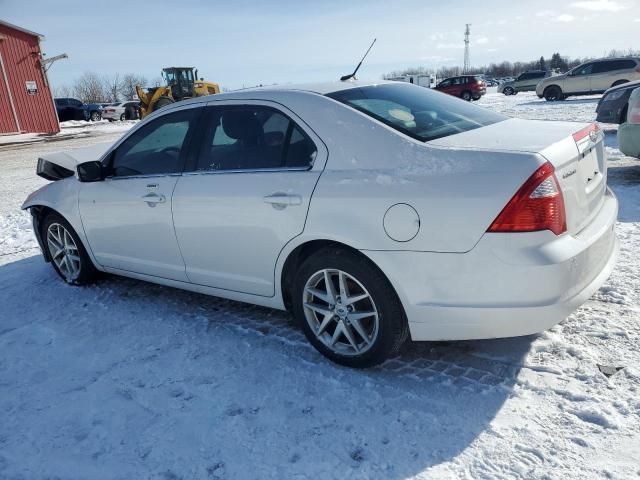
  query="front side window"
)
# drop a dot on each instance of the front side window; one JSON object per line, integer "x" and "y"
{"x": 253, "y": 138}
{"x": 445, "y": 83}
{"x": 583, "y": 70}
{"x": 156, "y": 148}
{"x": 418, "y": 112}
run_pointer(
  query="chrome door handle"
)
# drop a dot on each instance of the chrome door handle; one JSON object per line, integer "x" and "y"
{"x": 153, "y": 198}
{"x": 280, "y": 200}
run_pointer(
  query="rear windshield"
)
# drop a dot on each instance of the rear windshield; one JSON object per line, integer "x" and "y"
{"x": 418, "y": 112}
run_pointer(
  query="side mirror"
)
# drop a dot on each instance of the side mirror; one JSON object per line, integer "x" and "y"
{"x": 91, "y": 172}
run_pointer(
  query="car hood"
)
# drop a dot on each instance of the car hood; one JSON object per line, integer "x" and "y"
{"x": 512, "y": 135}
{"x": 71, "y": 159}
{"x": 629, "y": 85}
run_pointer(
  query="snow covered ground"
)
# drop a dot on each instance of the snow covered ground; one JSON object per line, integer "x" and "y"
{"x": 127, "y": 380}
{"x": 70, "y": 129}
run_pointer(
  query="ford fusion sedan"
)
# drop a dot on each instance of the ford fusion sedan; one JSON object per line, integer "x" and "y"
{"x": 372, "y": 211}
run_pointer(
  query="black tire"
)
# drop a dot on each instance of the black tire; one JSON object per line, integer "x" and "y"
{"x": 131, "y": 113}
{"x": 95, "y": 116}
{"x": 619, "y": 82}
{"x": 508, "y": 91}
{"x": 87, "y": 271}
{"x": 162, "y": 102}
{"x": 122, "y": 117}
{"x": 392, "y": 329}
{"x": 553, "y": 94}
{"x": 466, "y": 95}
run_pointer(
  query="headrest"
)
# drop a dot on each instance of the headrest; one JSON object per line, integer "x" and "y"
{"x": 240, "y": 124}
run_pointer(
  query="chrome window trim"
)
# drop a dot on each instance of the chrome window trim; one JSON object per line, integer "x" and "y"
{"x": 247, "y": 170}
{"x": 150, "y": 175}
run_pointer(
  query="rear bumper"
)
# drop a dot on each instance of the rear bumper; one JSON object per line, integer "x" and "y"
{"x": 508, "y": 285}
{"x": 110, "y": 115}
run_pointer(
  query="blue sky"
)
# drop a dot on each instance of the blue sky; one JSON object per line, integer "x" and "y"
{"x": 244, "y": 43}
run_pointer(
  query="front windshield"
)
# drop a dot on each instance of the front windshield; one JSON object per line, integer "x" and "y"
{"x": 419, "y": 112}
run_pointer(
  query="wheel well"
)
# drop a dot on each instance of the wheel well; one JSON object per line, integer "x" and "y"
{"x": 546, "y": 89}
{"x": 39, "y": 213}
{"x": 304, "y": 251}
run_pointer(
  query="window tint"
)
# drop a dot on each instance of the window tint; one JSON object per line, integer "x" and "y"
{"x": 524, "y": 76}
{"x": 75, "y": 103}
{"x": 445, "y": 83}
{"x": 584, "y": 70}
{"x": 418, "y": 112}
{"x": 155, "y": 148}
{"x": 612, "y": 65}
{"x": 253, "y": 138}
{"x": 61, "y": 102}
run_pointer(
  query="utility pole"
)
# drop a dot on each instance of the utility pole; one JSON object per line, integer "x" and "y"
{"x": 467, "y": 62}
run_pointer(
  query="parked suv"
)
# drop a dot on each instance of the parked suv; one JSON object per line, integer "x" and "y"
{"x": 595, "y": 76}
{"x": 525, "y": 82}
{"x": 72, "y": 109}
{"x": 467, "y": 87}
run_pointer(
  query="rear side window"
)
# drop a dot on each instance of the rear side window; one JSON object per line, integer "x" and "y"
{"x": 418, "y": 112}
{"x": 156, "y": 148}
{"x": 253, "y": 138}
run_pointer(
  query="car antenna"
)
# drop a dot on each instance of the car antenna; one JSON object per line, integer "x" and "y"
{"x": 353, "y": 75}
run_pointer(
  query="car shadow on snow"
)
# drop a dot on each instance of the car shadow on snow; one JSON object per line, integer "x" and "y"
{"x": 562, "y": 103}
{"x": 137, "y": 378}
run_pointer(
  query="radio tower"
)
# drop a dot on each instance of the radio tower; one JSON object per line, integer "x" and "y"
{"x": 467, "y": 64}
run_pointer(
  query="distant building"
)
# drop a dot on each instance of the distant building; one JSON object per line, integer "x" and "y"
{"x": 26, "y": 103}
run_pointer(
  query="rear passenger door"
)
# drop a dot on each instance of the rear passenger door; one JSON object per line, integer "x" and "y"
{"x": 246, "y": 195}
{"x": 602, "y": 75}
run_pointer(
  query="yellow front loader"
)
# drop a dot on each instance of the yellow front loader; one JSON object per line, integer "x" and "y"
{"x": 182, "y": 84}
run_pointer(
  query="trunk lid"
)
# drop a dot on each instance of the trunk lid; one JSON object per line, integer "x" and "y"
{"x": 576, "y": 150}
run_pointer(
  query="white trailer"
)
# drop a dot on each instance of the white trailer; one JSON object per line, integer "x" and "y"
{"x": 421, "y": 80}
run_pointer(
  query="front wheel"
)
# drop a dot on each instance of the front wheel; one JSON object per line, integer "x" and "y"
{"x": 348, "y": 310}
{"x": 95, "y": 116}
{"x": 552, "y": 94}
{"x": 68, "y": 256}
{"x": 508, "y": 91}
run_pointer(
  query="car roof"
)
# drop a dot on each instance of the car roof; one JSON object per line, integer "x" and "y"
{"x": 321, "y": 88}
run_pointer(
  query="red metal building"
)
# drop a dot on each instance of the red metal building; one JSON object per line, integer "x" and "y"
{"x": 26, "y": 103}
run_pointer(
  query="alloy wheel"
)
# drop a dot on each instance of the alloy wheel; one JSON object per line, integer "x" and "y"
{"x": 64, "y": 252}
{"x": 340, "y": 312}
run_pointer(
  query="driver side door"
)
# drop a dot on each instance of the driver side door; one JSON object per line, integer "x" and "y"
{"x": 128, "y": 216}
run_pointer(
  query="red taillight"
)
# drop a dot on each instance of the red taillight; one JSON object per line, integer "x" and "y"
{"x": 580, "y": 134}
{"x": 537, "y": 205}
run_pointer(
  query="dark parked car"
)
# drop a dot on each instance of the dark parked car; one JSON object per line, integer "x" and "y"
{"x": 614, "y": 104}
{"x": 72, "y": 109}
{"x": 467, "y": 87}
{"x": 525, "y": 82}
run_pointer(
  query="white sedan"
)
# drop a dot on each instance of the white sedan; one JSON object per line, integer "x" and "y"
{"x": 373, "y": 211}
{"x": 121, "y": 111}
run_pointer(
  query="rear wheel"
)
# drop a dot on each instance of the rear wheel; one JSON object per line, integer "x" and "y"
{"x": 162, "y": 102}
{"x": 466, "y": 95}
{"x": 553, "y": 93}
{"x": 122, "y": 117}
{"x": 347, "y": 309}
{"x": 68, "y": 256}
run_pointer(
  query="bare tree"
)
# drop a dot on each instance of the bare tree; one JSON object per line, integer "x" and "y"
{"x": 128, "y": 85}
{"x": 112, "y": 87}
{"x": 62, "y": 91}
{"x": 89, "y": 88}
